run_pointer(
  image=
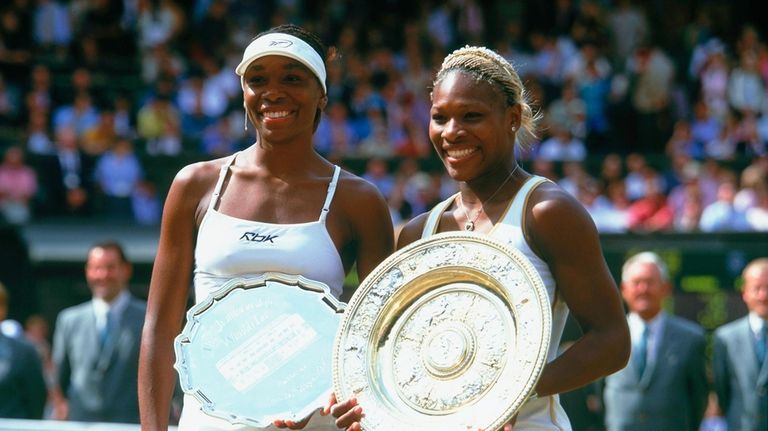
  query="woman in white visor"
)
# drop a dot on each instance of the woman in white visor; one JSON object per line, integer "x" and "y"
{"x": 320, "y": 220}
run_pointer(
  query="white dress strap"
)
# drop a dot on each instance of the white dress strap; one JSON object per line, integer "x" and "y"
{"x": 514, "y": 214}
{"x": 220, "y": 182}
{"x": 433, "y": 220}
{"x": 331, "y": 192}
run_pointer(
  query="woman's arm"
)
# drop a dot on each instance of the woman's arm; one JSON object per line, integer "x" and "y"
{"x": 171, "y": 276}
{"x": 563, "y": 234}
{"x": 373, "y": 233}
{"x": 411, "y": 232}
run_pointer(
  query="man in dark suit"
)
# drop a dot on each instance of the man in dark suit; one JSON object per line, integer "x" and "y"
{"x": 22, "y": 386}
{"x": 96, "y": 344}
{"x": 740, "y": 361}
{"x": 66, "y": 178}
{"x": 664, "y": 385}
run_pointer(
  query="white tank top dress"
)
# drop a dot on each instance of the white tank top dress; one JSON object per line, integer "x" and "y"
{"x": 228, "y": 247}
{"x": 544, "y": 413}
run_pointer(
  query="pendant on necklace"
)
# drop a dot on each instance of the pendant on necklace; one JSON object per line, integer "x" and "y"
{"x": 469, "y": 225}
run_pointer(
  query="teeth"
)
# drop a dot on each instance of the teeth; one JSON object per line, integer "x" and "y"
{"x": 276, "y": 114}
{"x": 460, "y": 153}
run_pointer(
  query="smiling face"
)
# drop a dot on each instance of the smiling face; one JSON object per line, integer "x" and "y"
{"x": 471, "y": 126}
{"x": 644, "y": 289}
{"x": 755, "y": 293}
{"x": 107, "y": 273}
{"x": 282, "y": 97}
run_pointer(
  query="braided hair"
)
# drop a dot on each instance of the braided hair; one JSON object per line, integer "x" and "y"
{"x": 488, "y": 66}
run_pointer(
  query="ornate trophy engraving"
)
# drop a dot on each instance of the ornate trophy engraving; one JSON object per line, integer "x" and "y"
{"x": 449, "y": 333}
{"x": 260, "y": 348}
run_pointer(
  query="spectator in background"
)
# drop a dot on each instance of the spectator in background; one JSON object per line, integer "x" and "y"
{"x": 713, "y": 76}
{"x": 9, "y": 103}
{"x": 739, "y": 360}
{"x": 146, "y": 204}
{"x": 377, "y": 173}
{"x": 682, "y": 142}
{"x": 562, "y": 146}
{"x": 118, "y": 172}
{"x": 757, "y": 215}
{"x": 223, "y": 136}
{"x": 159, "y": 123}
{"x": 39, "y": 95}
{"x": 751, "y": 177}
{"x": 36, "y": 330}
{"x": 638, "y": 172}
{"x": 569, "y": 112}
{"x": 16, "y": 45}
{"x": 124, "y": 121}
{"x": 335, "y": 136}
{"x": 574, "y": 176}
{"x": 38, "y": 135}
{"x": 664, "y": 386}
{"x": 66, "y": 178}
{"x": 81, "y": 115}
{"x": 96, "y": 344}
{"x": 200, "y": 103}
{"x": 722, "y": 215}
{"x": 160, "y": 21}
{"x": 746, "y": 90}
{"x": 18, "y": 186}
{"x": 102, "y": 136}
{"x": 52, "y": 26}
{"x": 22, "y": 385}
{"x": 723, "y": 145}
{"x": 652, "y": 73}
{"x": 628, "y": 28}
{"x": 652, "y": 212}
{"x": 687, "y": 202}
{"x": 704, "y": 126}
{"x": 607, "y": 218}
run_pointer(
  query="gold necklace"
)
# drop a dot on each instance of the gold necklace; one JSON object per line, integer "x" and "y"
{"x": 470, "y": 224}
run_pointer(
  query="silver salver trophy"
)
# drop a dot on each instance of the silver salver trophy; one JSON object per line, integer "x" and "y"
{"x": 449, "y": 333}
{"x": 259, "y": 349}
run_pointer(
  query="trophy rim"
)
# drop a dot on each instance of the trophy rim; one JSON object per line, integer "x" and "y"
{"x": 384, "y": 315}
{"x": 192, "y": 324}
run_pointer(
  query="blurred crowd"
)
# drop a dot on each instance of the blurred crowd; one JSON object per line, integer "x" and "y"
{"x": 654, "y": 114}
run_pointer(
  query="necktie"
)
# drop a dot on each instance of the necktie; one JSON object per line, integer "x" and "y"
{"x": 641, "y": 351}
{"x": 106, "y": 331}
{"x": 761, "y": 344}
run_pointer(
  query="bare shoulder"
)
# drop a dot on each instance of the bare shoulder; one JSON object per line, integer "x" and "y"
{"x": 557, "y": 219}
{"x": 197, "y": 179}
{"x": 353, "y": 185}
{"x": 358, "y": 195}
{"x": 412, "y": 230}
{"x": 192, "y": 187}
{"x": 550, "y": 204}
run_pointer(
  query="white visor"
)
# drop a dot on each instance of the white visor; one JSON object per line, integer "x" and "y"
{"x": 286, "y": 46}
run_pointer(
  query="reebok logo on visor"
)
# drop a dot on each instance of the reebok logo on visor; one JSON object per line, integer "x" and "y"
{"x": 281, "y": 43}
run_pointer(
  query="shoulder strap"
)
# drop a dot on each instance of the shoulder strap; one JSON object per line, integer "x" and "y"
{"x": 222, "y": 174}
{"x": 430, "y": 226}
{"x": 329, "y": 195}
{"x": 514, "y": 215}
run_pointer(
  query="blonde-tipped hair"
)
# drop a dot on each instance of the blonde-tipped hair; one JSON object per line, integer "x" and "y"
{"x": 487, "y": 65}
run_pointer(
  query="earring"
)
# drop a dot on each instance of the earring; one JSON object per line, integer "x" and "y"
{"x": 245, "y": 121}
{"x": 514, "y": 128}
